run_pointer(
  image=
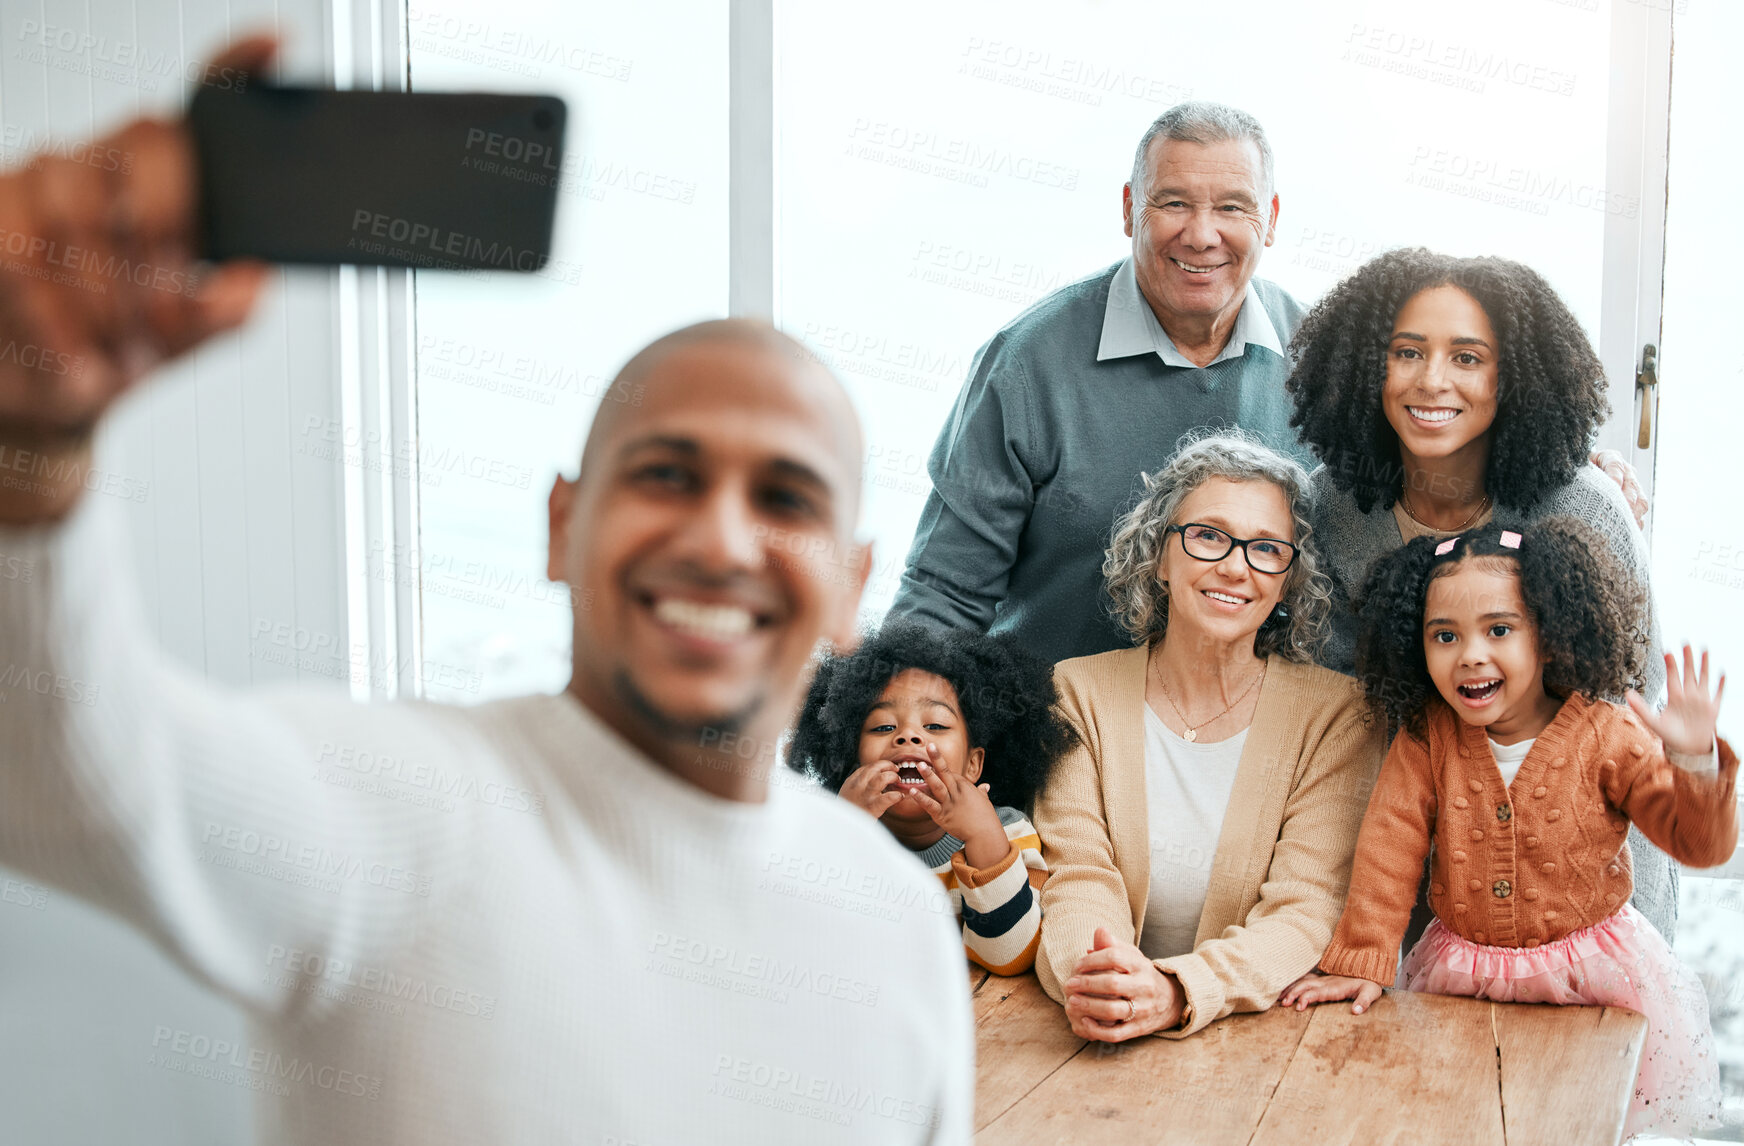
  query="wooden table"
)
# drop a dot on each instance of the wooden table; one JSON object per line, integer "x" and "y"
{"x": 1413, "y": 1069}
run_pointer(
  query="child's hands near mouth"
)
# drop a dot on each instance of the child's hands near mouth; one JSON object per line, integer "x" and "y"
{"x": 865, "y": 788}
{"x": 961, "y": 807}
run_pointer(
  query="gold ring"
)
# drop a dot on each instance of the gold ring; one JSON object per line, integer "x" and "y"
{"x": 1130, "y": 1010}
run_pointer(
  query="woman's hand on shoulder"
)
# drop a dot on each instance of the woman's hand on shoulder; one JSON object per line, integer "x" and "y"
{"x": 1317, "y": 988}
{"x": 1616, "y": 467}
{"x": 866, "y": 787}
{"x": 1116, "y": 993}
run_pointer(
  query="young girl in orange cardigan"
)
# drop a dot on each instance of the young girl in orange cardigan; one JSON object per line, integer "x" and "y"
{"x": 1491, "y": 649}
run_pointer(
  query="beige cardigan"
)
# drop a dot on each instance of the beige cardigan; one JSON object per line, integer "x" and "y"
{"x": 1282, "y": 865}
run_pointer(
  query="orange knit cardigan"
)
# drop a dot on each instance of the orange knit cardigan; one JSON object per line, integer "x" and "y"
{"x": 1527, "y": 863}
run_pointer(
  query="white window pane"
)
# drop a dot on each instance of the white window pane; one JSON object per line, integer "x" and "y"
{"x": 941, "y": 166}
{"x": 1698, "y": 518}
{"x": 511, "y": 368}
{"x": 1698, "y": 553}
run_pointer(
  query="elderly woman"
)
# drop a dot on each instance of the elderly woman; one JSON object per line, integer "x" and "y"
{"x": 1200, "y": 832}
{"x": 1442, "y": 394}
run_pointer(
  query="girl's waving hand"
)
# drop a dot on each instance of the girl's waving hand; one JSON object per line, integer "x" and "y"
{"x": 1687, "y": 724}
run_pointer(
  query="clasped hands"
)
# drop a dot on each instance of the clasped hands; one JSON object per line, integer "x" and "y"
{"x": 1116, "y": 993}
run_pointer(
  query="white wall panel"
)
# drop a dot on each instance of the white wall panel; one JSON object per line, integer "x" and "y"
{"x": 231, "y": 526}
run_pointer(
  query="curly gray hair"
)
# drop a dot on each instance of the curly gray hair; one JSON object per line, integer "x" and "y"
{"x": 1141, "y": 601}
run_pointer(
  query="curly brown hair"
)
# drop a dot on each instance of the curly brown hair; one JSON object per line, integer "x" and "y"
{"x": 1550, "y": 386}
{"x": 1589, "y": 610}
{"x": 1007, "y": 696}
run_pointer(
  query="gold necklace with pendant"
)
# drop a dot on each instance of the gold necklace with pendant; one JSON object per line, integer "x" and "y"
{"x": 1192, "y": 733}
{"x": 1483, "y": 504}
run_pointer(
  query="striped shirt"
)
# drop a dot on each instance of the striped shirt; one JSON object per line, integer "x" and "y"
{"x": 1001, "y": 912}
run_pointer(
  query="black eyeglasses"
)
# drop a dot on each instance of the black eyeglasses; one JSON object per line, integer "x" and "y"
{"x": 1209, "y": 543}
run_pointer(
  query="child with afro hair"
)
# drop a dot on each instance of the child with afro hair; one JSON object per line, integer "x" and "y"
{"x": 1492, "y": 650}
{"x": 945, "y": 737}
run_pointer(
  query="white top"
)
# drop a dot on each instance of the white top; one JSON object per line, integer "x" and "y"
{"x": 498, "y": 924}
{"x": 1130, "y": 327}
{"x": 1509, "y": 757}
{"x": 1187, "y": 787}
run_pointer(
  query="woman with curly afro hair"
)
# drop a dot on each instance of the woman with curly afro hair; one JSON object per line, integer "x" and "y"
{"x": 925, "y": 729}
{"x": 1442, "y": 394}
{"x": 1492, "y": 650}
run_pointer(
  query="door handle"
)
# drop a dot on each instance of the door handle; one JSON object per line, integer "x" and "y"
{"x": 1647, "y": 386}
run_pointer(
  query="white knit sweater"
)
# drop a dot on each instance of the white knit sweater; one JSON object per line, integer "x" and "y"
{"x": 490, "y": 925}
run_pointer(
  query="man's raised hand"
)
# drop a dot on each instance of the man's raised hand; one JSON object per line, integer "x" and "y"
{"x": 99, "y": 284}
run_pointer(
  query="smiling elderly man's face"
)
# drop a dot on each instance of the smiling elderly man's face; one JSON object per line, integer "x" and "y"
{"x": 1198, "y": 227}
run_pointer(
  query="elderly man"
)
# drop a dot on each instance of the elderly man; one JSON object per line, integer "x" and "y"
{"x": 1067, "y": 405}
{"x": 674, "y": 949}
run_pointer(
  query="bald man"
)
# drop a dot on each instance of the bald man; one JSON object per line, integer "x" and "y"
{"x": 668, "y": 948}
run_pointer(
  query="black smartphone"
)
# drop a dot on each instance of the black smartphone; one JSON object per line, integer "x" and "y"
{"x": 406, "y": 179}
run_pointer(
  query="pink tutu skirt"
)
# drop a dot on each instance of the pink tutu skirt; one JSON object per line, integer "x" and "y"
{"x": 1618, "y": 962}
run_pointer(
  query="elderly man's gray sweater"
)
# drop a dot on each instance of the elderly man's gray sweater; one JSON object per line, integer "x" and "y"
{"x": 1045, "y": 448}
